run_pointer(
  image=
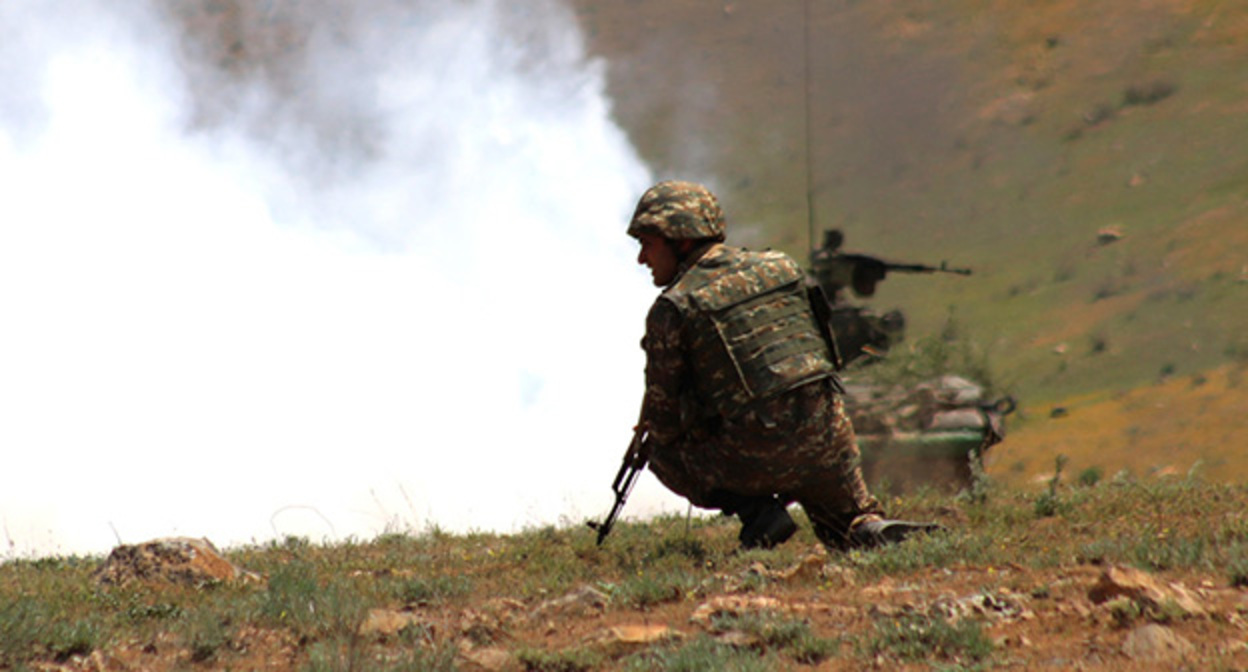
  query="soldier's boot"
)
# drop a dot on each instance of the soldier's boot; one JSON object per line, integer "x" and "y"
{"x": 765, "y": 523}
{"x": 870, "y": 532}
{"x": 880, "y": 532}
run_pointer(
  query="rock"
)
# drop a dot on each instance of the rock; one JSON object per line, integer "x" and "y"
{"x": 584, "y": 602}
{"x": 1012, "y": 641}
{"x": 836, "y": 576}
{"x": 489, "y": 659}
{"x": 491, "y": 622}
{"x": 738, "y": 605}
{"x": 1144, "y": 589}
{"x": 1108, "y": 235}
{"x": 623, "y": 639}
{"x": 180, "y": 560}
{"x": 641, "y": 634}
{"x": 387, "y": 622}
{"x": 739, "y": 639}
{"x": 999, "y": 605}
{"x": 1155, "y": 642}
{"x": 810, "y": 567}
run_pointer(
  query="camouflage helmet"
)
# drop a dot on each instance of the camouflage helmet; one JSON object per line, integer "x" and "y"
{"x": 677, "y": 211}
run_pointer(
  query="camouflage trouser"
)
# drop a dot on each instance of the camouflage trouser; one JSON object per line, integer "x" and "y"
{"x": 800, "y": 446}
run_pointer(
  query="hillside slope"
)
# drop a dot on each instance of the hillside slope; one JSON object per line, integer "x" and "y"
{"x": 1004, "y": 136}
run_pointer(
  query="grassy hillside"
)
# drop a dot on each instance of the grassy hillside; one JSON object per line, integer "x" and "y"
{"x": 1018, "y": 581}
{"x": 997, "y": 135}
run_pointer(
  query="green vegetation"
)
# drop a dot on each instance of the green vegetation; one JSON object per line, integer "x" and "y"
{"x": 951, "y": 351}
{"x": 509, "y": 593}
{"x": 703, "y": 653}
{"x": 926, "y": 637}
{"x": 790, "y": 638}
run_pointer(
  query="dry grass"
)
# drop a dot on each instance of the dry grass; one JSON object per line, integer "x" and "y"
{"x": 462, "y": 594}
{"x": 1179, "y": 424}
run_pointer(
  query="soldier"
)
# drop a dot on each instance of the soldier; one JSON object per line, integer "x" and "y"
{"x": 742, "y": 409}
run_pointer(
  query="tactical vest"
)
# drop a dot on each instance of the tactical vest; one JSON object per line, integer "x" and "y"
{"x": 750, "y": 329}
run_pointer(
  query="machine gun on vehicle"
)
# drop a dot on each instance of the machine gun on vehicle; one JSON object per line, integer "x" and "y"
{"x": 836, "y": 270}
{"x": 948, "y": 422}
{"x": 858, "y": 329}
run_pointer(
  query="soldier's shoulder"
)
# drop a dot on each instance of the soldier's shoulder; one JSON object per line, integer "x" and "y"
{"x": 775, "y": 260}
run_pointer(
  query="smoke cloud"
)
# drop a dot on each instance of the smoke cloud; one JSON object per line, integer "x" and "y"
{"x": 367, "y": 275}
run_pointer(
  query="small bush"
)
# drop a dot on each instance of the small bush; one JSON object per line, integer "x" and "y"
{"x": 930, "y": 550}
{"x": 1090, "y": 476}
{"x": 791, "y": 638}
{"x": 933, "y": 356}
{"x": 1100, "y": 113}
{"x": 22, "y": 624}
{"x": 1049, "y": 502}
{"x": 571, "y": 660}
{"x": 682, "y": 547}
{"x": 921, "y": 637}
{"x": 296, "y": 599}
{"x": 1124, "y": 611}
{"x": 1238, "y": 568}
{"x": 701, "y": 654}
{"x": 1149, "y": 93}
{"x": 432, "y": 590}
{"x": 648, "y": 589}
{"x": 76, "y": 638}
{"x": 292, "y": 594}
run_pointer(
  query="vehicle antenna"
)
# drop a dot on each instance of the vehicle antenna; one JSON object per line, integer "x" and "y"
{"x": 810, "y": 188}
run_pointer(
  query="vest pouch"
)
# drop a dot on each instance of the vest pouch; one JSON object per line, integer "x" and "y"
{"x": 772, "y": 343}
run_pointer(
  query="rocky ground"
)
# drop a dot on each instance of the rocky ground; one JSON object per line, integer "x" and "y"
{"x": 1096, "y": 577}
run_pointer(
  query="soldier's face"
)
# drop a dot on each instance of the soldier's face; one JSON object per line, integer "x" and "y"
{"x": 657, "y": 253}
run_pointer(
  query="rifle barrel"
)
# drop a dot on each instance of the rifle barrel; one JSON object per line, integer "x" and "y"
{"x": 924, "y": 268}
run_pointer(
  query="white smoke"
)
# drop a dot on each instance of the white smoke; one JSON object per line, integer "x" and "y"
{"x": 393, "y": 292}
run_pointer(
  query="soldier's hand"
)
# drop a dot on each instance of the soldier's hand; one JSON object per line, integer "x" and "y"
{"x": 641, "y": 445}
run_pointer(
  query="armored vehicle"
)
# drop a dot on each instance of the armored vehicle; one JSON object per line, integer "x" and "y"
{"x": 932, "y": 433}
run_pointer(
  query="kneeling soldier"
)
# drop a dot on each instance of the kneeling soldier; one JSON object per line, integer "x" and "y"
{"x": 743, "y": 409}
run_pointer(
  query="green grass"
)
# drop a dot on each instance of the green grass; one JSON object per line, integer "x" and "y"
{"x": 917, "y": 637}
{"x": 787, "y": 637}
{"x": 316, "y": 596}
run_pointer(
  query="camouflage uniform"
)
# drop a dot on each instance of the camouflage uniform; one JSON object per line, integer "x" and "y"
{"x": 741, "y": 392}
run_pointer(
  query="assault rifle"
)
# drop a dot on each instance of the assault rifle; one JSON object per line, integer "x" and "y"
{"x": 634, "y": 463}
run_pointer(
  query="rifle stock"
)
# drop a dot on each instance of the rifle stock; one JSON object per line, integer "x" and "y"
{"x": 634, "y": 463}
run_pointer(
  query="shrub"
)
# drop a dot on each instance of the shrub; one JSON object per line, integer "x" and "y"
{"x": 571, "y": 660}
{"x": 1090, "y": 476}
{"x": 919, "y": 637}
{"x": 700, "y": 654}
{"x": 1149, "y": 93}
{"x": 792, "y": 638}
